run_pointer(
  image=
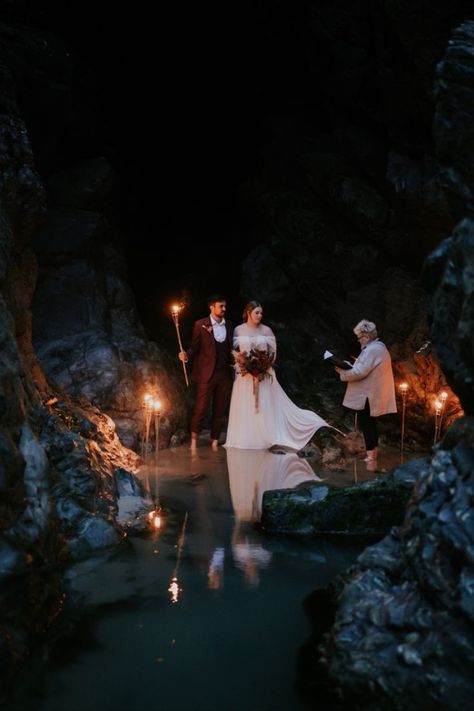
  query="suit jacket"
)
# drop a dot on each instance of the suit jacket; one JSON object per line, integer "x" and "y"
{"x": 202, "y": 352}
{"x": 371, "y": 377}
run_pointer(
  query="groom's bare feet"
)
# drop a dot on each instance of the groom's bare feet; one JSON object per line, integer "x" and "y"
{"x": 215, "y": 445}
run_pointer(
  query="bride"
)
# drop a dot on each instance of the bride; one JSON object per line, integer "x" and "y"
{"x": 276, "y": 420}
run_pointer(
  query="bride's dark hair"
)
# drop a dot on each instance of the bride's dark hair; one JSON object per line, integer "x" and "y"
{"x": 248, "y": 308}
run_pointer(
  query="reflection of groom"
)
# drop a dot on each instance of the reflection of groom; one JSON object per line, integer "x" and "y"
{"x": 210, "y": 353}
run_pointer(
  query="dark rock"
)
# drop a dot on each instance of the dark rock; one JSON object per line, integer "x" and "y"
{"x": 370, "y": 508}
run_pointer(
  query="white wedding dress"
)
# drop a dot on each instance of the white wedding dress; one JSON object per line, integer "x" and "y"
{"x": 278, "y": 420}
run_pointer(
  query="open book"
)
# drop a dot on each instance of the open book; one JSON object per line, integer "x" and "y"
{"x": 334, "y": 360}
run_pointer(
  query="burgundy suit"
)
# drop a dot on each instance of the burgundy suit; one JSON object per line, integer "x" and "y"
{"x": 211, "y": 370}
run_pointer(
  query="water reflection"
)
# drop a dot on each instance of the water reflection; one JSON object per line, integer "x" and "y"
{"x": 251, "y": 473}
{"x": 254, "y": 471}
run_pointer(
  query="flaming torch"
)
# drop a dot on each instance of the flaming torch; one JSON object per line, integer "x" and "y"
{"x": 444, "y": 398}
{"x": 403, "y": 387}
{"x": 438, "y": 409}
{"x": 175, "y": 309}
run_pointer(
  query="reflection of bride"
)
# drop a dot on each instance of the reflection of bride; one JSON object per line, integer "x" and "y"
{"x": 278, "y": 420}
{"x": 251, "y": 473}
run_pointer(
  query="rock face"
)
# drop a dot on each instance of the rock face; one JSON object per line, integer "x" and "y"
{"x": 403, "y": 635}
{"x": 349, "y": 200}
{"x": 86, "y": 332}
{"x": 404, "y": 626}
{"x": 58, "y": 460}
{"x": 61, "y": 463}
{"x": 448, "y": 271}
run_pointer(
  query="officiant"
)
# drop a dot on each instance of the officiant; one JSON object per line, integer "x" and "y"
{"x": 370, "y": 387}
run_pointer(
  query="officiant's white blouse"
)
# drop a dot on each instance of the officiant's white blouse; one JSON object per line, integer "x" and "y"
{"x": 371, "y": 377}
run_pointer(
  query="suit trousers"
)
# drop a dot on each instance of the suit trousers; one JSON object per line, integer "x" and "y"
{"x": 216, "y": 392}
{"x": 368, "y": 425}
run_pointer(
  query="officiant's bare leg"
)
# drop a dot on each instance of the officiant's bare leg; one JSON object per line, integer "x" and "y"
{"x": 368, "y": 425}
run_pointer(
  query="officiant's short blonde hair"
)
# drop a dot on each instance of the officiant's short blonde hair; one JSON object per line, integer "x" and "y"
{"x": 366, "y": 328}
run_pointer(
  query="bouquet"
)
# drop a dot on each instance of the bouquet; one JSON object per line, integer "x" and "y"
{"x": 256, "y": 363}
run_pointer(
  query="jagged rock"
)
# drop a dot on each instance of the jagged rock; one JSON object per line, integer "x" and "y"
{"x": 404, "y": 618}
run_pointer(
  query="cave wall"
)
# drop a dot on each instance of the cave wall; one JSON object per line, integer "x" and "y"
{"x": 349, "y": 198}
{"x": 403, "y": 633}
{"x": 62, "y": 463}
{"x": 86, "y": 330}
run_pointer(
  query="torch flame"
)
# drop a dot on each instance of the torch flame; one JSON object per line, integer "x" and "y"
{"x": 444, "y": 396}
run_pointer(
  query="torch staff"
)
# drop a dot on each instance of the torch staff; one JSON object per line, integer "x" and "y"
{"x": 443, "y": 398}
{"x": 438, "y": 408}
{"x": 175, "y": 309}
{"x": 404, "y": 393}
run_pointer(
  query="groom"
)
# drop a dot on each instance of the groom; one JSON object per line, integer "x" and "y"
{"x": 210, "y": 354}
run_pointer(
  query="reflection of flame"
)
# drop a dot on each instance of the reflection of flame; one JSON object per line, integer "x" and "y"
{"x": 155, "y": 518}
{"x": 174, "y": 589}
{"x": 148, "y": 399}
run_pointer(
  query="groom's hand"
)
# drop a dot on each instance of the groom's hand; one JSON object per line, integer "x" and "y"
{"x": 183, "y": 357}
